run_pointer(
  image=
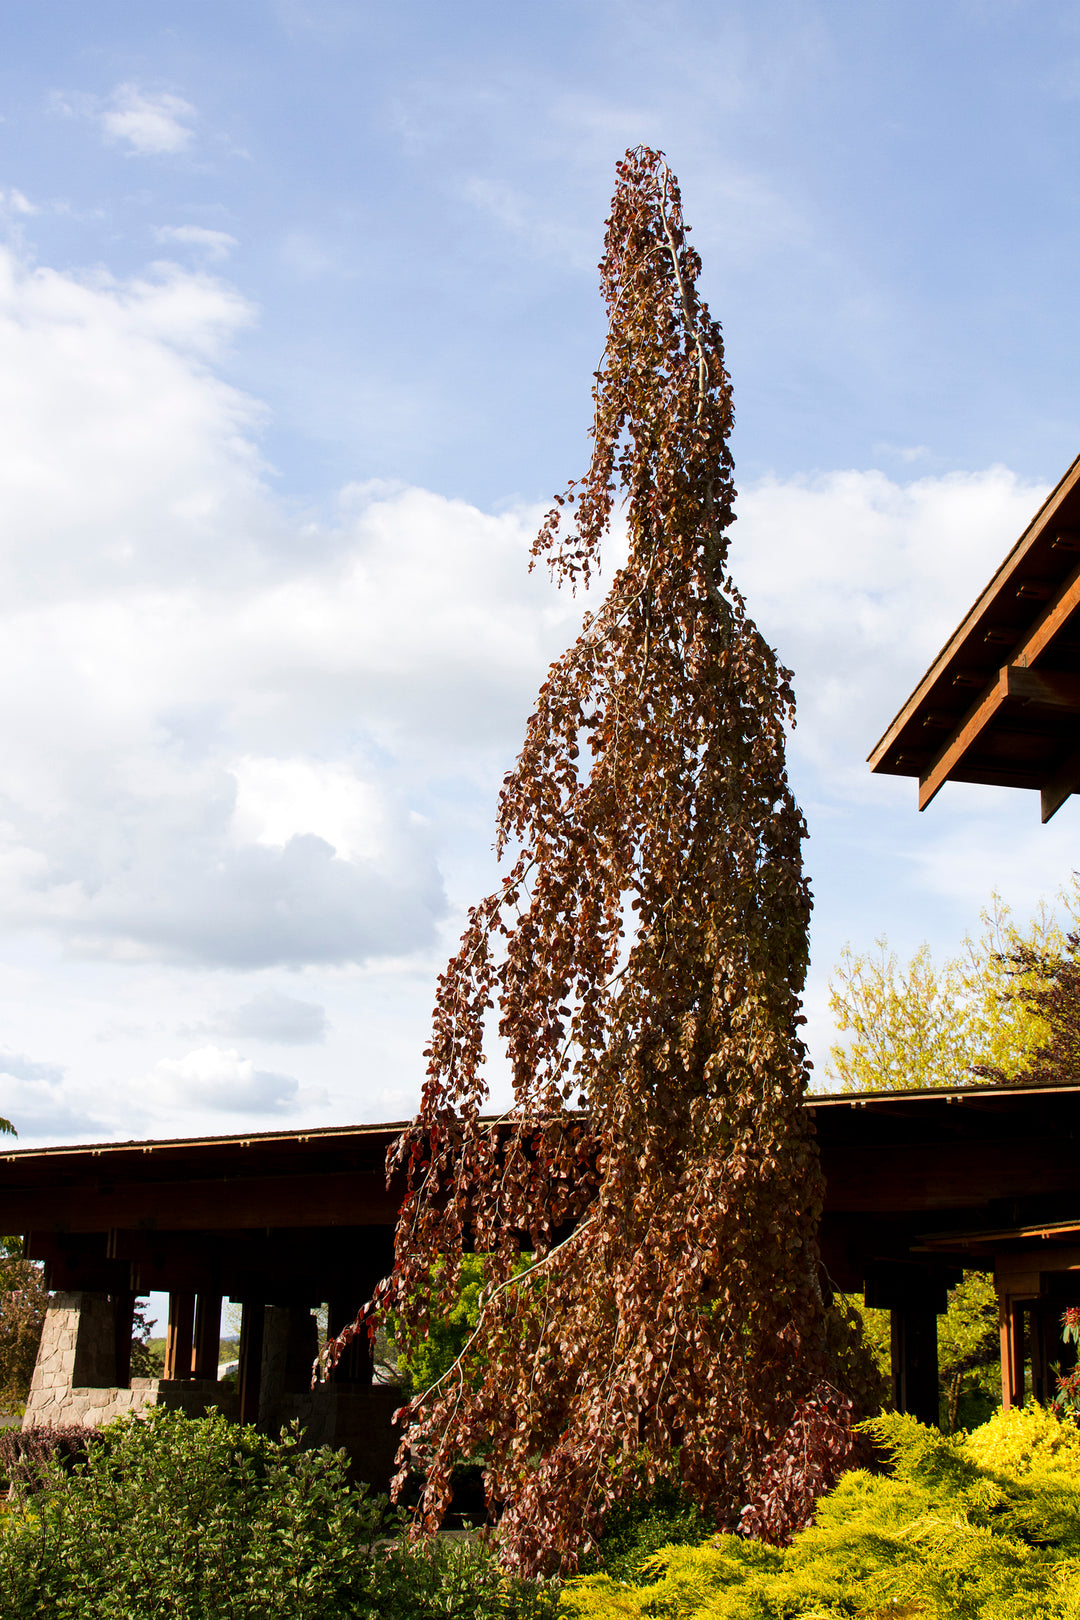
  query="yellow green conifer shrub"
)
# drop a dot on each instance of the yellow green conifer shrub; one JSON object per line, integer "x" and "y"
{"x": 981, "y": 1526}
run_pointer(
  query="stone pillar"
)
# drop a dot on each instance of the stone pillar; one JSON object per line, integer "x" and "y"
{"x": 78, "y": 1350}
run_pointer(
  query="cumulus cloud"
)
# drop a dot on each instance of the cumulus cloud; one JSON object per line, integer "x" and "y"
{"x": 214, "y": 713}
{"x": 274, "y": 1016}
{"x": 219, "y": 1078}
{"x": 35, "y": 1098}
{"x": 215, "y": 245}
{"x": 145, "y": 122}
{"x": 858, "y": 580}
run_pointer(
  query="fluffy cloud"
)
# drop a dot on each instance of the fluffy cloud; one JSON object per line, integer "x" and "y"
{"x": 858, "y": 581}
{"x": 36, "y": 1098}
{"x": 219, "y": 1078}
{"x": 147, "y": 123}
{"x": 221, "y": 722}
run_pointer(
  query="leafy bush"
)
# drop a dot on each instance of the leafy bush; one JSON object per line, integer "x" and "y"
{"x": 201, "y": 1519}
{"x": 454, "y": 1578}
{"x": 983, "y": 1526}
{"x": 635, "y": 1532}
{"x": 189, "y": 1517}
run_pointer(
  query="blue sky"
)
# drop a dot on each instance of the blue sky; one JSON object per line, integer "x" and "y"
{"x": 298, "y": 314}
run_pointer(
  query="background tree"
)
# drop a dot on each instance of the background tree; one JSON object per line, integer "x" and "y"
{"x": 23, "y": 1298}
{"x": 928, "y": 1024}
{"x": 645, "y": 952}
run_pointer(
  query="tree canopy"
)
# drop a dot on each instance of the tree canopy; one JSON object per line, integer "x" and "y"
{"x": 974, "y": 1015}
{"x": 642, "y": 960}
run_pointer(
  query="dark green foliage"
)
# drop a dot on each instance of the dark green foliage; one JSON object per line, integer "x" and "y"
{"x": 453, "y": 1578}
{"x": 982, "y": 1526}
{"x": 636, "y": 1531}
{"x": 200, "y": 1519}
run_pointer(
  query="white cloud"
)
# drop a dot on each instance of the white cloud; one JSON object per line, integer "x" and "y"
{"x": 219, "y": 720}
{"x": 274, "y": 1016}
{"x": 219, "y": 1078}
{"x": 858, "y": 580}
{"x": 12, "y": 201}
{"x": 147, "y": 123}
{"x": 36, "y": 1098}
{"x": 215, "y": 245}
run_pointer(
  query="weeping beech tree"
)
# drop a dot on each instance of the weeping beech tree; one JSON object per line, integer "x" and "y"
{"x": 647, "y": 1210}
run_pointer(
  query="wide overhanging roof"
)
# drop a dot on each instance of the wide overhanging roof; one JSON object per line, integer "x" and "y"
{"x": 999, "y": 705}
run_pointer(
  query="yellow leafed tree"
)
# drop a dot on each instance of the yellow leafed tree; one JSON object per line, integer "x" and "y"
{"x": 923, "y": 1023}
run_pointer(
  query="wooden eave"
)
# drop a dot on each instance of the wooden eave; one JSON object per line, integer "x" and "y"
{"x": 1000, "y": 705}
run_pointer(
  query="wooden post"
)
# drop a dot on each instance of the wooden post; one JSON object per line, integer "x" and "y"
{"x": 915, "y": 1359}
{"x": 207, "y": 1335}
{"x": 178, "y": 1338}
{"x": 123, "y": 1322}
{"x": 251, "y": 1355}
{"x": 1011, "y": 1325}
{"x": 357, "y": 1365}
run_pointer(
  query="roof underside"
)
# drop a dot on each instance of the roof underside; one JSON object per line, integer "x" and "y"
{"x": 1000, "y": 704}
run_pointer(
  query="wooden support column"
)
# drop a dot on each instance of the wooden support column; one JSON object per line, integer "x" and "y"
{"x": 178, "y": 1338}
{"x": 123, "y": 1322}
{"x": 915, "y": 1359}
{"x": 1011, "y": 1324}
{"x": 357, "y": 1365}
{"x": 251, "y": 1355}
{"x": 915, "y": 1296}
{"x": 207, "y": 1336}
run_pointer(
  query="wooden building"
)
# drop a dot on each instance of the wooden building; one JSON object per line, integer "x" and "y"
{"x": 919, "y": 1185}
{"x": 1000, "y": 705}
{"x": 1001, "y": 701}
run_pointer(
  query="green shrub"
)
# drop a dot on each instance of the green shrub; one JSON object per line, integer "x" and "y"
{"x": 635, "y": 1532}
{"x": 185, "y": 1517}
{"x": 201, "y": 1519}
{"x": 981, "y": 1526}
{"x": 453, "y": 1578}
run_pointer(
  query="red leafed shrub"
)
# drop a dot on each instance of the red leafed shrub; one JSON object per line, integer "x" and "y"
{"x": 24, "y": 1453}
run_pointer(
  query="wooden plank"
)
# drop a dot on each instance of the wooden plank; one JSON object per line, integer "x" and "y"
{"x": 1051, "y": 687}
{"x": 1043, "y": 520}
{"x": 1015, "y": 679}
{"x": 1011, "y": 1330}
{"x": 179, "y": 1336}
{"x": 1057, "y": 788}
{"x": 343, "y": 1199}
{"x": 207, "y": 1336}
{"x": 954, "y": 748}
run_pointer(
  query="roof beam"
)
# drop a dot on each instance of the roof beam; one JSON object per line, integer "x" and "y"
{"x": 1015, "y": 679}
